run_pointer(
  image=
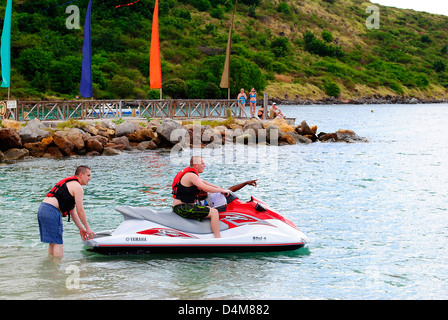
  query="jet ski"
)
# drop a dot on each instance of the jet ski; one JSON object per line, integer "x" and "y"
{"x": 250, "y": 226}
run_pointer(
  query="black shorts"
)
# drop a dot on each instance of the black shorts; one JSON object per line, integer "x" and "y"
{"x": 192, "y": 211}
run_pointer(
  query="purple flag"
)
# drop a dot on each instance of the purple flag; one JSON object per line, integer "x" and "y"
{"x": 86, "y": 88}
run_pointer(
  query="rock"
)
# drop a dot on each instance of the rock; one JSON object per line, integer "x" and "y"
{"x": 9, "y": 138}
{"x": 349, "y": 136}
{"x": 53, "y": 152}
{"x": 282, "y": 124}
{"x": 147, "y": 145}
{"x": 76, "y": 137}
{"x": 289, "y": 138}
{"x": 123, "y": 140}
{"x": 211, "y": 135}
{"x": 110, "y": 152}
{"x": 36, "y": 123}
{"x": 298, "y": 138}
{"x": 2, "y": 156}
{"x": 220, "y": 130}
{"x": 154, "y": 124}
{"x": 273, "y": 134}
{"x": 33, "y": 132}
{"x": 115, "y": 146}
{"x": 171, "y": 131}
{"x": 101, "y": 139}
{"x": 195, "y": 135}
{"x": 92, "y": 153}
{"x": 47, "y": 141}
{"x": 341, "y": 136}
{"x": 36, "y": 149}
{"x": 124, "y": 128}
{"x": 328, "y": 137}
{"x": 11, "y": 124}
{"x": 141, "y": 135}
{"x": 15, "y": 154}
{"x": 91, "y": 129}
{"x": 93, "y": 144}
{"x": 106, "y": 132}
{"x": 304, "y": 130}
{"x": 246, "y": 138}
{"x": 63, "y": 143}
{"x": 255, "y": 125}
{"x": 235, "y": 134}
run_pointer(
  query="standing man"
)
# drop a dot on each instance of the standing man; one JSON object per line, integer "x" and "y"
{"x": 186, "y": 186}
{"x": 65, "y": 198}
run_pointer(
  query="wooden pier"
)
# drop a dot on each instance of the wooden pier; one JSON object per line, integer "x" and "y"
{"x": 99, "y": 109}
{"x": 125, "y": 109}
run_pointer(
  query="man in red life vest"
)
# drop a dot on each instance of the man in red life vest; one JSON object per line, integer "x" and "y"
{"x": 186, "y": 186}
{"x": 65, "y": 198}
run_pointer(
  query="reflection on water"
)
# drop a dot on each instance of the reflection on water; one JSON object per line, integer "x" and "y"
{"x": 375, "y": 213}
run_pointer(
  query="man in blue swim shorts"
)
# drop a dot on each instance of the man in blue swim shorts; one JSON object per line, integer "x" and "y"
{"x": 65, "y": 198}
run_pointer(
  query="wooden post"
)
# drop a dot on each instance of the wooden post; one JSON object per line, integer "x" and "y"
{"x": 265, "y": 105}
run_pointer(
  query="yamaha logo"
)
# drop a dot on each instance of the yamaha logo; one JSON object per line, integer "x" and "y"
{"x": 135, "y": 239}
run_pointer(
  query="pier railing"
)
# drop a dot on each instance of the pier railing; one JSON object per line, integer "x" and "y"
{"x": 98, "y": 109}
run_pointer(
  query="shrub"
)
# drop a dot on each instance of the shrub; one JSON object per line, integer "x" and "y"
{"x": 175, "y": 88}
{"x": 217, "y": 12}
{"x": 331, "y": 88}
{"x": 201, "y": 5}
{"x": 327, "y": 36}
{"x": 284, "y": 8}
{"x": 121, "y": 86}
{"x": 280, "y": 47}
{"x": 195, "y": 89}
{"x": 439, "y": 66}
{"x": 319, "y": 47}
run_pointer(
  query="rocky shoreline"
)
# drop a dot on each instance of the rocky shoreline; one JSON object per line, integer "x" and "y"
{"x": 35, "y": 139}
{"x": 375, "y": 99}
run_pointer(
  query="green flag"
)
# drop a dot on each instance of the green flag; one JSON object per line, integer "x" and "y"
{"x": 6, "y": 46}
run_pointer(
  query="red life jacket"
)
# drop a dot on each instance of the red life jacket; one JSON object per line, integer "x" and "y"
{"x": 65, "y": 199}
{"x": 179, "y": 175}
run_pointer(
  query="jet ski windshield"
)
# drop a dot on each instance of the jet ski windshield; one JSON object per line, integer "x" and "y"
{"x": 232, "y": 196}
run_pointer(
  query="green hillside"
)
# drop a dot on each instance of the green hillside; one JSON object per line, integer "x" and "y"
{"x": 301, "y": 49}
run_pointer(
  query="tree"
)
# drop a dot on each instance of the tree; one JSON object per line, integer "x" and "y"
{"x": 280, "y": 47}
{"x": 243, "y": 74}
{"x": 121, "y": 86}
{"x": 331, "y": 88}
{"x": 439, "y": 66}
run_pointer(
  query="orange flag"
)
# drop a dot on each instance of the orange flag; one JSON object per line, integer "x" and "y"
{"x": 155, "y": 69}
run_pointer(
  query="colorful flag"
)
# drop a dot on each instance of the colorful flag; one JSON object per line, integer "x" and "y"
{"x": 155, "y": 68}
{"x": 86, "y": 88}
{"x": 6, "y": 47}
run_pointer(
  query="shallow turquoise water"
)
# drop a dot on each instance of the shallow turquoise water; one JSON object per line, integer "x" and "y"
{"x": 376, "y": 214}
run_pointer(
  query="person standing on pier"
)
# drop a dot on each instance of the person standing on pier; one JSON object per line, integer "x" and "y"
{"x": 65, "y": 198}
{"x": 253, "y": 101}
{"x": 242, "y": 97}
